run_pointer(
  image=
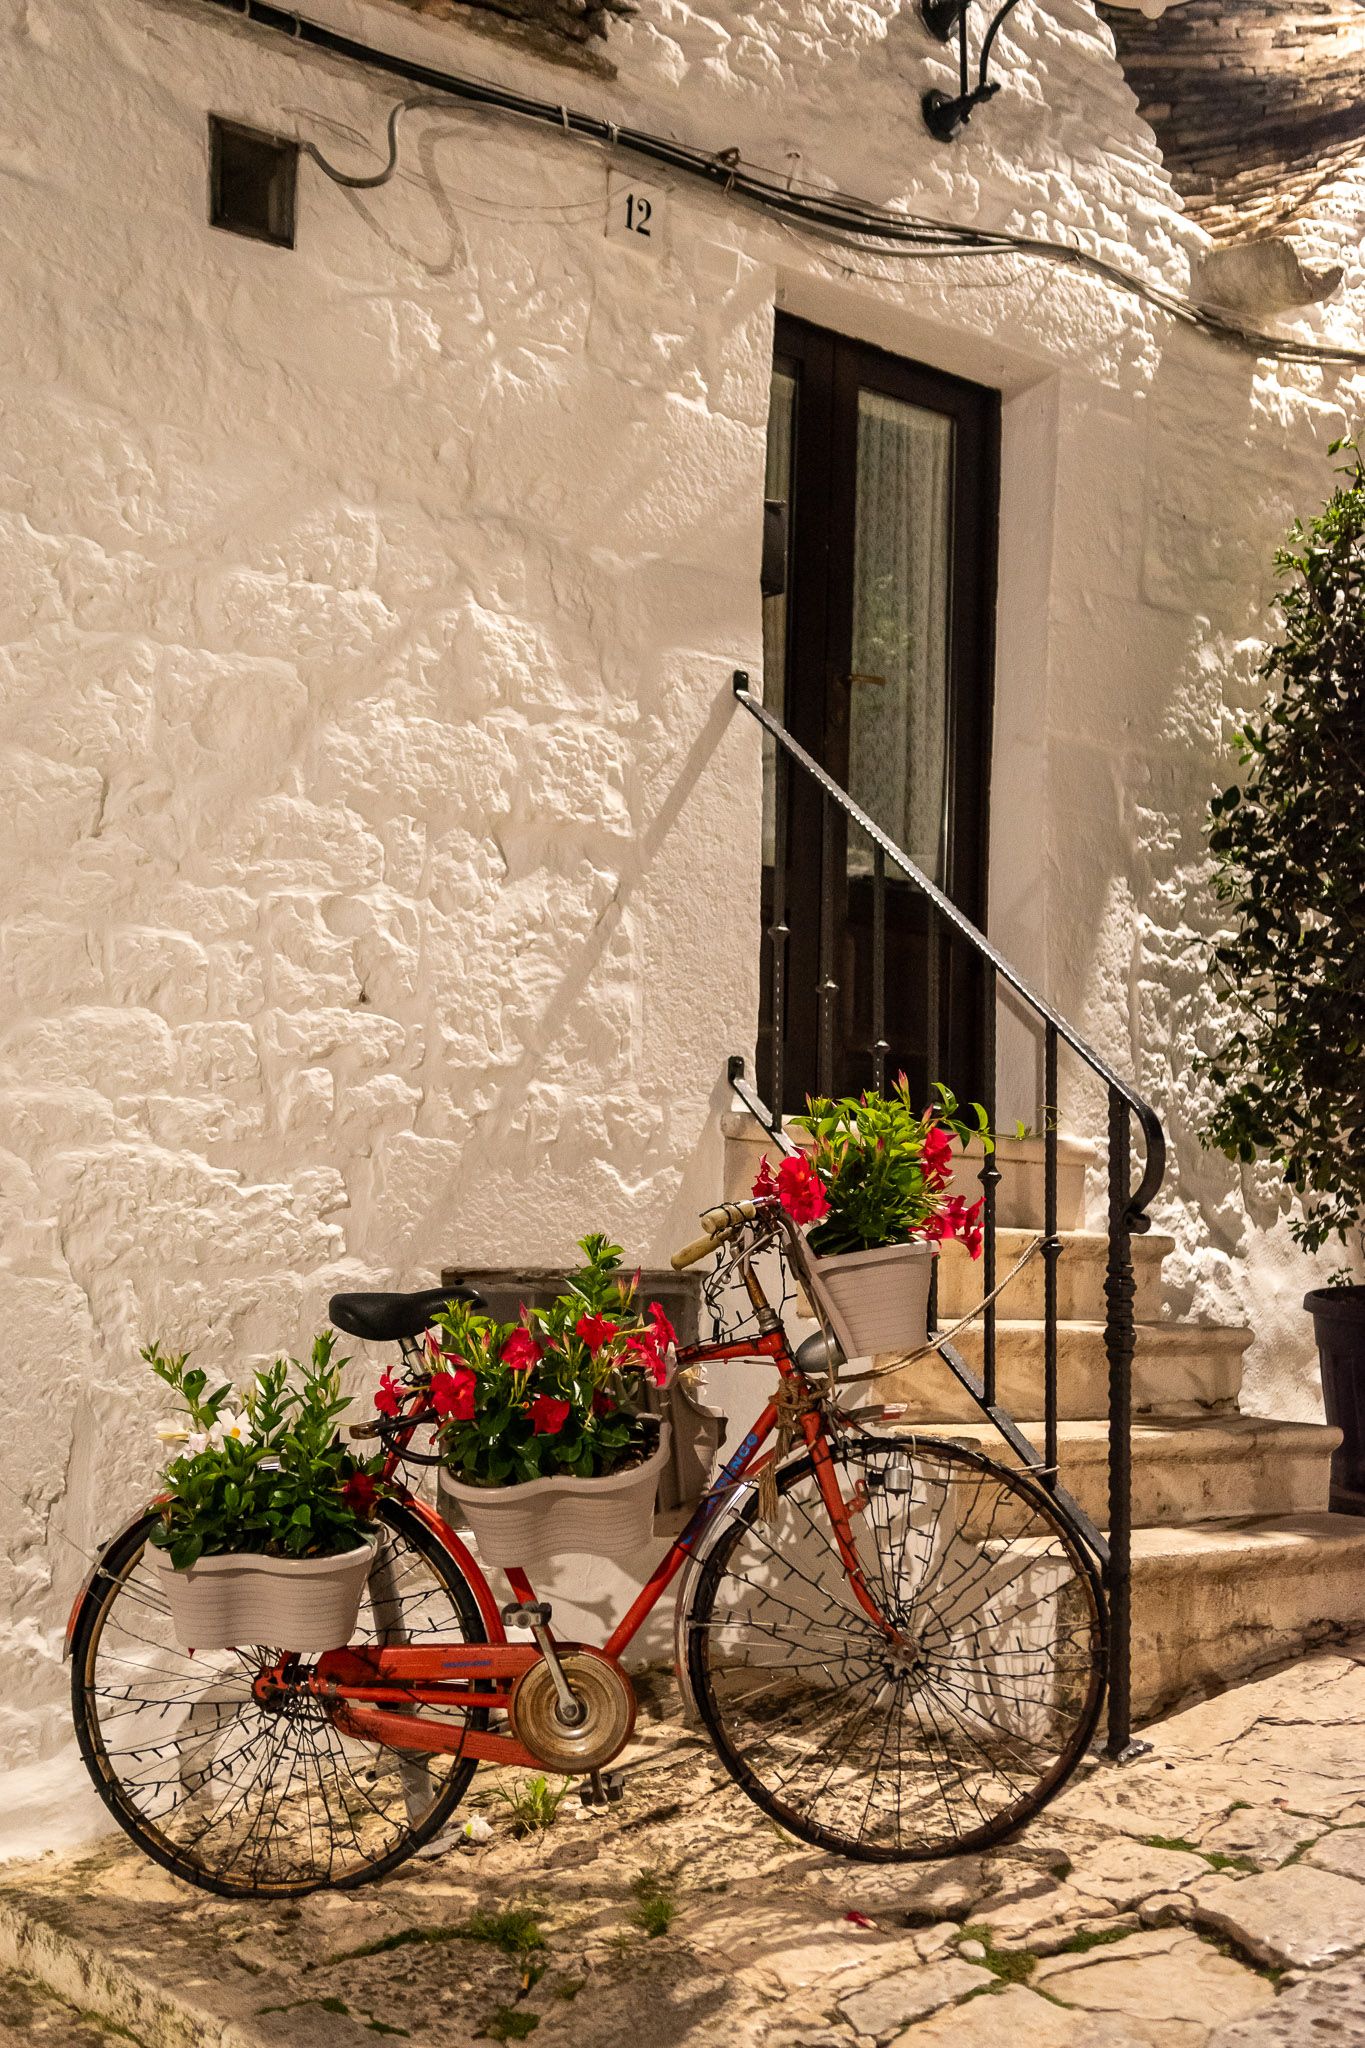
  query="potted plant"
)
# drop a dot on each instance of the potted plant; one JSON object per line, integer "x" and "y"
{"x": 1288, "y": 844}
{"x": 873, "y": 1188}
{"x": 543, "y": 1424}
{"x": 266, "y": 1528}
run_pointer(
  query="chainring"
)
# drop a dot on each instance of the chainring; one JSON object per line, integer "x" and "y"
{"x": 604, "y": 1692}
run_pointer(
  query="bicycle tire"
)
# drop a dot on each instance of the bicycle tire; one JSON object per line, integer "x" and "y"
{"x": 121, "y": 1637}
{"x": 943, "y": 1712}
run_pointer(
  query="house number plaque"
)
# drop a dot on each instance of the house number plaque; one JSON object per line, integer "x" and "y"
{"x": 636, "y": 213}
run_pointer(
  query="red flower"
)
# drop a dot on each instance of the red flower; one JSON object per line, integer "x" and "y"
{"x": 644, "y": 1348}
{"x": 390, "y": 1395}
{"x": 521, "y": 1350}
{"x": 596, "y": 1331}
{"x": 800, "y": 1189}
{"x": 602, "y": 1404}
{"x": 452, "y": 1394}
{"x": 665, "y": 1336}
{"x": 937, "y": 1156}
{"x": 360, "y": 1494}
{"x": 764, "y": 1188}
{"x": 548, "y": 1416}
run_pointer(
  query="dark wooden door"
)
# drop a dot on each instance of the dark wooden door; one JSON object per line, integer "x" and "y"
{"x": 878, "y": 657}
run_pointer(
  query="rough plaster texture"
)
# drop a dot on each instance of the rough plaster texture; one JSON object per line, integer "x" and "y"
{"x": 379, "y": 842}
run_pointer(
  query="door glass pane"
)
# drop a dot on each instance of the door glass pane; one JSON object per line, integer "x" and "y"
{"x": 777, "y": 485}
{"x": 898, "y": 694}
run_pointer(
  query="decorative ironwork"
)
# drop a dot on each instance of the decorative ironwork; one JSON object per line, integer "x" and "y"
{"x": 1128, "y": 1205}
{"x": 946, "y": 113}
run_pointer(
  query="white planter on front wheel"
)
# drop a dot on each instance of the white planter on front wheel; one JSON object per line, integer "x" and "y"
{"x": 526, "y": 1524}
{"x": 877, "y": 1301}
{"x": 286, "y": 1603}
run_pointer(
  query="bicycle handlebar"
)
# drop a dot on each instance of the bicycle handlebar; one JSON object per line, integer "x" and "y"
{"x": 719, "y": 1224}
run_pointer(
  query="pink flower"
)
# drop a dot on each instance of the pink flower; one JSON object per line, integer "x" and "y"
{"x": 955, "y": 1219}
{"x": 764, "y": 1188}
{"x": 548, "y": 1416}
{"x": 521, "y": 1350}
{"x": 596, "y": 1331}
{"x": 937, "y": 1156}
{"x": 800, "y": 1189}
{"x": 452, "y": 1394}
{"x": 390, "y": 1395}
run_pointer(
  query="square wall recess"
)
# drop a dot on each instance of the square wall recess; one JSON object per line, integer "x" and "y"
{"x": 252, "y": 181}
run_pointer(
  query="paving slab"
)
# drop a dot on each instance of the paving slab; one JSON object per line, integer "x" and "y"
{"x": 887, "y": 2006}
{"x": 1297, "y": 1916}
{"x": 1325, "y": 2011}
{"x": 1168, "y": 1977}
{"x": 1082, "y": 1932}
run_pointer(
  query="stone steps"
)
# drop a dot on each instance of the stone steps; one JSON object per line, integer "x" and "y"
{"x": 1236, "y": 1562}
{"x": 1215, "y": 1600}
{"x": 1185, "y": 1472}
{"x": 1179, "y": 1369}
{"x": 1080, "y": 1277}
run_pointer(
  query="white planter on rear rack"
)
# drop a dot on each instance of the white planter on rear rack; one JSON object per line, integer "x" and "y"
{"x": 876, "y": 1301}
{"x": 526, "y": 1524}
{"x": 287, "y": 1603}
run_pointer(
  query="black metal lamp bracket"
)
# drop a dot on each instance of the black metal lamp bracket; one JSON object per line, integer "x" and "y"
{"x": 945, "y": 114}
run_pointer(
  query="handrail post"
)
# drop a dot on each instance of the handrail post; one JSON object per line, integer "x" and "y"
{"x": 880, "y": 1048}
{"x": 778, "y": 931}
{"x": 829, "y": 987}
{"x": 989, "y": 1177}
{"x": 1119, "y": 1344}
{"x": 1052, "y": 1246}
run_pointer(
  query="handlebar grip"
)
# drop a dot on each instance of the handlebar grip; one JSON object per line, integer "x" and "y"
{"x": 698, "y": 1249}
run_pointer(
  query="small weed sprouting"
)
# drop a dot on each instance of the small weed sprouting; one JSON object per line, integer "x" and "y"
{"x": 515, "y": 1930}
{"x": 1009, "y": 1965}
{"x": 1215, "y": 1858}
{"x": 505, "y": 2023}
{"x": 1093, "y": 1937}
{"x": 654, "y": 1904}
{"x": 534, "y": 1804}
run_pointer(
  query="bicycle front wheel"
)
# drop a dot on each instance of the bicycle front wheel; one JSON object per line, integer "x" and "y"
{"x": 946, "y": 1722}
{"x": 251, "y": 1798}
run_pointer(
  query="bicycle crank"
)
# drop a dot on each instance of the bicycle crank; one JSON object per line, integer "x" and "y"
{"x": 605, "y": 1702}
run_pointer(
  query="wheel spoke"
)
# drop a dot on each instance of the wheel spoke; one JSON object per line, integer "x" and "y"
{"x": 954, "y": 1723}
{"x": 243, "y": 1794}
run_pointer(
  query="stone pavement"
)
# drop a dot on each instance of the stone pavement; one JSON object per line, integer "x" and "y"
{"x": 1211, "y": 1895}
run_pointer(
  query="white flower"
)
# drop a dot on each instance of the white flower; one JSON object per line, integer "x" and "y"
{"x": 477, "y": 1829}
{"x": 195, "y": 1442}
{"x": 171, "y": 1433}
{"x": 230, "y": 1428}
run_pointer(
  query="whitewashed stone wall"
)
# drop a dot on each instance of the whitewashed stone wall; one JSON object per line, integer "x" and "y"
{"x": 380, "y": 844}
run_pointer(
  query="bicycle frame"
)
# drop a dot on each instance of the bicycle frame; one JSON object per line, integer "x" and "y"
{"x": 371, "y": 1689}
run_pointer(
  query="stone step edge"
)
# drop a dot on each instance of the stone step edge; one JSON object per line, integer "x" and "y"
{"x": 1012, "y": 1238}
{"x": 1299, "y": 1543}
{"x": 1180, "y": 1336}
{"x": 1177, "y": 1437}
{"x": 116, "y": 1995}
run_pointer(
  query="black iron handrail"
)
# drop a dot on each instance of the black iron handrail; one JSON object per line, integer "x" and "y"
{"x": 1128, "y": 1205}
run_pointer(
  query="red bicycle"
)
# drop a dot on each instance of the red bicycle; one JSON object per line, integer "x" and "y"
{"x": 898, "y": 1650}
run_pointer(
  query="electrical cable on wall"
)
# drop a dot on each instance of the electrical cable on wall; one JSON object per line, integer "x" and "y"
{"x": 838, "y": 217}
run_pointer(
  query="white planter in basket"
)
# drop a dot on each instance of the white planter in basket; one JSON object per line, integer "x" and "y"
{"x": 877, "y": 1301}
{"x": 525, "y": 1524}
{"x": 288, "y": 1603}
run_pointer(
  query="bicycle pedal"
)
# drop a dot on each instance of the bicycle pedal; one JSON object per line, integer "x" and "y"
{"x": 526, "y": 1614}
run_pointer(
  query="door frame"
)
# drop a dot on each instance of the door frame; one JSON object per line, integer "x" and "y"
{"x": 830, "y": 369}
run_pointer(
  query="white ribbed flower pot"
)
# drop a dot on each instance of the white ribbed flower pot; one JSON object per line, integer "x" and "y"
{"x": 526, "y": 1524}
{"x": 289, "y": 1603}
{"x": 877, "y": 1301}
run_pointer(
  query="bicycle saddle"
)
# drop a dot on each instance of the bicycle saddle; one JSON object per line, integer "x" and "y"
{"x": 385, "y": 1318}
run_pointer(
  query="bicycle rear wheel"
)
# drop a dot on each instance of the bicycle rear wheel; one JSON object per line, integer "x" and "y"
{"x": 948, "y": 1736}
{"x": 252, "y": 1799}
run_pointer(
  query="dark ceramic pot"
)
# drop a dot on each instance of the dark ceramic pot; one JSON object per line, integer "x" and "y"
{"x": 1339, "y": 1322}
